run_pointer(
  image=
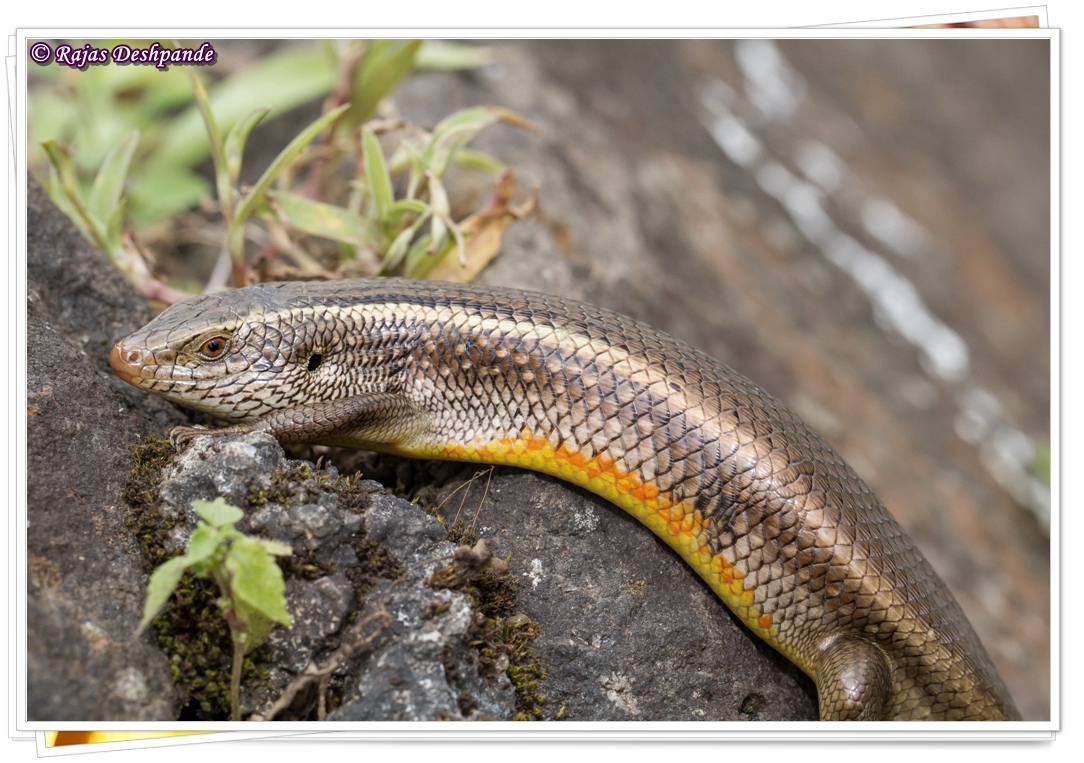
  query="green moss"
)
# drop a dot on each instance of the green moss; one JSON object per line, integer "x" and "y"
{"x": 374, "y": 561}
{"x": 502, "y": 638}
{"x": 195, "y": 636}
{"x": 304, "y": 566}
{"x": 467, "y": 703}
{"x": 140, "y": 493}
{"x": 281, "y": 486}
{"x": 459, "y": 533}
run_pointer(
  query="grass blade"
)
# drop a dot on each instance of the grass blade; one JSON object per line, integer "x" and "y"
{"x": 108, "y": 184}
{"x": 287, "y": 155}
{"x": 214, "y": 134}
{"x": 235, "y": 141}
{"x": 376, "y": 172}
{"x": 380, "y": 69}
{"x": 399, "y": 246}
{"x": 66, "y": 184}
{"x": 403, "y": 206}
{"x": 284, "y": 80}
{"x": 326, "y": 220}
{"x": 113, "y": 227}
{"x": 459, "y": 128}
{"x": 449, "y": 56}
{"x": 476, "y": 160}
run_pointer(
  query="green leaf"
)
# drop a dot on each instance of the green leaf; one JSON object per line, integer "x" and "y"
{"x": 417, "y": 169}
{"x": 161, "y": 585}
{"x": 455, "y": 130}
{"x": 218, "y": 150}
{"x": 113, "y": 228}
{"x": 205, "y": 539}
{"x": 438, "y": 199}
{"x": 384, "y": 63}
{"x": 109, "y": 183}
{"x": 62, "y": 162}
{"x": 376, "y": 172}
{"x": 325, "y": 220}
{"x": 66, "y": 183}
{"x": 218, "y": 513}
{"x": 55, "y": 188}
{"x": 256, "y": 580}
{"x": 398, "y": 248}
{"x": 403, "y": 206}
{"x": 283, "y": 80}
{"x": 235, "y": 141}
{"x": 476, "y": 160}
{"x": 417, "y": 255}
{"x": 285, "y": 157}
{"x": 448, "y": 56}
{"x": 257, "y": 625}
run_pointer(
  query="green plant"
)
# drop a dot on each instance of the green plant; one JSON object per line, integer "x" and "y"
{"x": 98, "y": 211}
{"x": 236, "y": 207}
{"x": 379, "y": 214}
{"x": 253, "y": 591}
{"x": 411, "y": 234}
{"x": 91, "y": 110}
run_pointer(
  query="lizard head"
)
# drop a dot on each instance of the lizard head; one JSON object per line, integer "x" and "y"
{"x": 239, "y": 355}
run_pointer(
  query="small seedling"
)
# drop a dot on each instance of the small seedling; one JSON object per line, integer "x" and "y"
{"x": 253, "y": 592}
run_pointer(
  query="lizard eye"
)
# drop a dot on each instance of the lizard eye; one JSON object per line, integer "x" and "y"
{"x": 213, "y": 348}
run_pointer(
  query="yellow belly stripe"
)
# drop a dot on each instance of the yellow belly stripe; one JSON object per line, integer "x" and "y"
{"x": 679, "y": 524}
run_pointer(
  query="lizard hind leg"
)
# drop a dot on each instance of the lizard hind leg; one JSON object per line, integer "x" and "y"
{"x": 854, "y": 680}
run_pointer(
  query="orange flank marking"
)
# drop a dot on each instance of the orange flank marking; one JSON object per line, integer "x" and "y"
{"x": 681, "y": 526}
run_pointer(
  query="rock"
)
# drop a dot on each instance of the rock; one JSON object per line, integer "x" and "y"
{"x": 627, "y": 631}
{"x": 317, "y": 610}
{"x": 346, "y": 536}
{"x": 422, "y": 668}
{"x": 86, "y": 584}
{"x": 78, "y": 671}
{"x": 230, "y": 467}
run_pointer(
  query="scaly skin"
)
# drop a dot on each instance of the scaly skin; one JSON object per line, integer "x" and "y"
{"x": 760, "y": 506}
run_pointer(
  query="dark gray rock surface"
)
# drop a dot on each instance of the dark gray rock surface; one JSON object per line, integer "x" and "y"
{"x": 627, "y": 629}
{"x": 85, "y": 583}
{"x": 420, "y": 663}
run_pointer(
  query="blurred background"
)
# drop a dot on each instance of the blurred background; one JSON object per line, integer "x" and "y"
{"x": 860, "y": 226}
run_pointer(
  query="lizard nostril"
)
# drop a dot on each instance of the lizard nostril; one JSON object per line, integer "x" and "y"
{"x": 126, "y": 363}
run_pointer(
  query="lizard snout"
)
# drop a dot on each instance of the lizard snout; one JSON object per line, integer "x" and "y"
{"x": 127, "y": 362}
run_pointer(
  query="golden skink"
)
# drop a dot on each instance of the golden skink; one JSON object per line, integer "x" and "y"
{"x": 774, "y": 520}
